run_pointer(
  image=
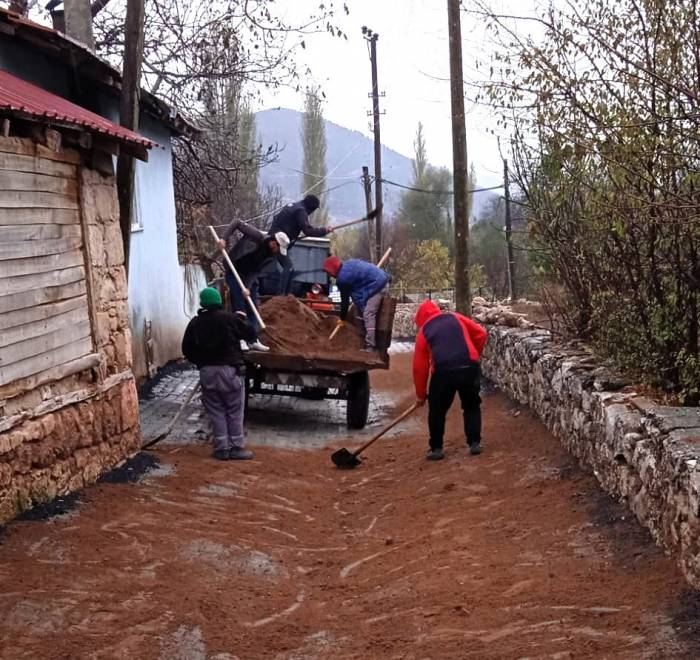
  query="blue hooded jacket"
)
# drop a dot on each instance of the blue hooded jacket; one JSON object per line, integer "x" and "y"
{"x": 360, "y": 280}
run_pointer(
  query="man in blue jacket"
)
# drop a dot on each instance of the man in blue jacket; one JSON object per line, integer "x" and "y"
{"x": 364, "y": 283}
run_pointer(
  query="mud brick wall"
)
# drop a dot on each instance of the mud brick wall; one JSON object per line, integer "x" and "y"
{"x": 645, "y": 454}
{"x": 59, "y": 434}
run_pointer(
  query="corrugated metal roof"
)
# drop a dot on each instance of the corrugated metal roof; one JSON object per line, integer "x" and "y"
{"x": 12, "y": 25}
{"x": 21, "y": 96}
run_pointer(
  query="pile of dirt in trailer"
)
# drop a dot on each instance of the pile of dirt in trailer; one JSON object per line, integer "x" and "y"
{"x": 295, "y": 329}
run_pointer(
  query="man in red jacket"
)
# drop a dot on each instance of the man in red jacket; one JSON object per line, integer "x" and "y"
{"x": 449, "y": 345}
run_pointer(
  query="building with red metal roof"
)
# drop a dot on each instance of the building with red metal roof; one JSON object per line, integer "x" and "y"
{"x": 48, "y": 77}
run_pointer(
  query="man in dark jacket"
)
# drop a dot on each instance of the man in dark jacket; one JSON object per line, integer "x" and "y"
{"x": 364, "y": 283}
{"x": 211, "y": 342}
{"x": 449, "y": 345}
{"x": 249, "y": 255}
{"x": 293, "y": 219}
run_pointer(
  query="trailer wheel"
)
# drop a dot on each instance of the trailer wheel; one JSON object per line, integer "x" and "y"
{"x": 358, "y": 400}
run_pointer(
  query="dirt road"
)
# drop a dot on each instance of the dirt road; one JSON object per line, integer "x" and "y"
{"x": 512, "y": 554}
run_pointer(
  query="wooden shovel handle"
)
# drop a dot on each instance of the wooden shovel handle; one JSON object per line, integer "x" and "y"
{"x": 350, "y": 224}
{"x": 388, "y": 427}
{"x": 171, "y": 426}
{"x": 238, "y": 279}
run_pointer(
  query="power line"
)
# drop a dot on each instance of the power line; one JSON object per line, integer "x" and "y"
{"x": 438, "y": 192}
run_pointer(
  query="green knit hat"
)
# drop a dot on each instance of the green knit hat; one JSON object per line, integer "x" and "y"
{"x": 209, "y": 296}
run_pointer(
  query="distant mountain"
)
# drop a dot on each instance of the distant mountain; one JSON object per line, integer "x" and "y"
{"x": 346, "y": 152}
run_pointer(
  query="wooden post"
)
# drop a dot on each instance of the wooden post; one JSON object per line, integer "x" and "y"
{"x": 368, "y": 204}
{"x": 129, "y": 116}
{"x": 372, "y": 37}
{"x": 512, "y": 291}
{"x": 459, "y": 159}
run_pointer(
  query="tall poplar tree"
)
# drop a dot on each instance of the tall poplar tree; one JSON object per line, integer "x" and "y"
{"x": 313, "y": 137}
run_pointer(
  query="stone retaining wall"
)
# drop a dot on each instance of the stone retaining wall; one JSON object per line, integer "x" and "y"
{"x": 645, "y": 454}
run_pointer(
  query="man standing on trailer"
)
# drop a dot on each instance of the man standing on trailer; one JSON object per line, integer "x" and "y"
{"x": 364, "y": 283}
{"x": 293, "y": 219}
{"x": 249, "y": 255}
{"x": 449, "y": 345}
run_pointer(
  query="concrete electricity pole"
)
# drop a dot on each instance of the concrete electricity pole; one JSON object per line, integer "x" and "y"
{"x": 372, "y": 37}
{"x": 512, "y": 292}
{"x": 459, "y": 159}
{"x": 368, "y": 203}
{"x": 129, "y": 116}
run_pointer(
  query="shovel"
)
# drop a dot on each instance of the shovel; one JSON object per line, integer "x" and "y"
{"x": 346, "y": 460}
{"x": 171, "y": 426}
{"x": 370, "y": 216}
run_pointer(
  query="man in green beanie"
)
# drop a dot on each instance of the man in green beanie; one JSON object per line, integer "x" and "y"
{"x": 212, "y": 341}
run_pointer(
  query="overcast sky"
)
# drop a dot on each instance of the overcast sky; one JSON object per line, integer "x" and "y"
{"x": 413, "y": 63}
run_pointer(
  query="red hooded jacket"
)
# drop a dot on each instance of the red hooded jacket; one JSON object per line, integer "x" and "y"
{"x": 444, "y": 341}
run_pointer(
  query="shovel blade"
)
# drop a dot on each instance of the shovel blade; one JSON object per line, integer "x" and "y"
{"x": 345, "y": 460}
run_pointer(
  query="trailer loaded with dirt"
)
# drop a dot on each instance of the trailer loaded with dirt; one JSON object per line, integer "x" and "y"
{"x": 303, "y": 362}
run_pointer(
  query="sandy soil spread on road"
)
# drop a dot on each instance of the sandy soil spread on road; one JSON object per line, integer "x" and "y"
{"x": 512, "y": 554}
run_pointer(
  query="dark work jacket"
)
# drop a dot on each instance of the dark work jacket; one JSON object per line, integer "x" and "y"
{"x": 252, "y": 256}
{"x": 249, "y": 253}
{"x": 212, "y": 338}
{"x": 292, "y": 220}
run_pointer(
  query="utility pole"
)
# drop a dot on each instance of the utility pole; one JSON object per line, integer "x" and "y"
{"x": 368, "y": 204}
{"x": 512, "y": 292}
{"x": 372, "y": 37}
{"x": 459, "y": 161}
{"x": 129, "y": 116}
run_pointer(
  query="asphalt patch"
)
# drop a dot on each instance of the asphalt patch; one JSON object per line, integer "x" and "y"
{"x": 59, "y": 506}
{"x": 132, "y": 470}
{"x": 170, "y": 369}
{"x": 489, "y": 387}
{"x": 686, "y": 620}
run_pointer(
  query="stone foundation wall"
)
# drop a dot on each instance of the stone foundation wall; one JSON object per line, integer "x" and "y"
{"x": 645, "y": 454}
{"x": 65, "y": 450}
{"x": 59, "y": 434}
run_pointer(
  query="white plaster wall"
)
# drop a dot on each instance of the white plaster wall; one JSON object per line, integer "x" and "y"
{"x": 156, "y": 279}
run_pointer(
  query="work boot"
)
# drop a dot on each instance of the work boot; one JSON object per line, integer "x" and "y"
{"x": 221, "y": 454}
{"x": 435, "y": 455}
{"x": 475, "y": 448}
{"x": 240, "y": 454}
{"x": 244, "y": 345}
{"x": 257, "y": 345}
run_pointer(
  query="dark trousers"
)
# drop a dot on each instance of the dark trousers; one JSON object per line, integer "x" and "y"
{"x": 238, "y": 301}
{"x": 223, "y": 398}
{"x": 441, "y": 394}
{"x": 285, "y": 284}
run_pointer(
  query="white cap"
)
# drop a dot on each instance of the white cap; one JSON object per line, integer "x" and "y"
{"x": 283, "y": 241}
